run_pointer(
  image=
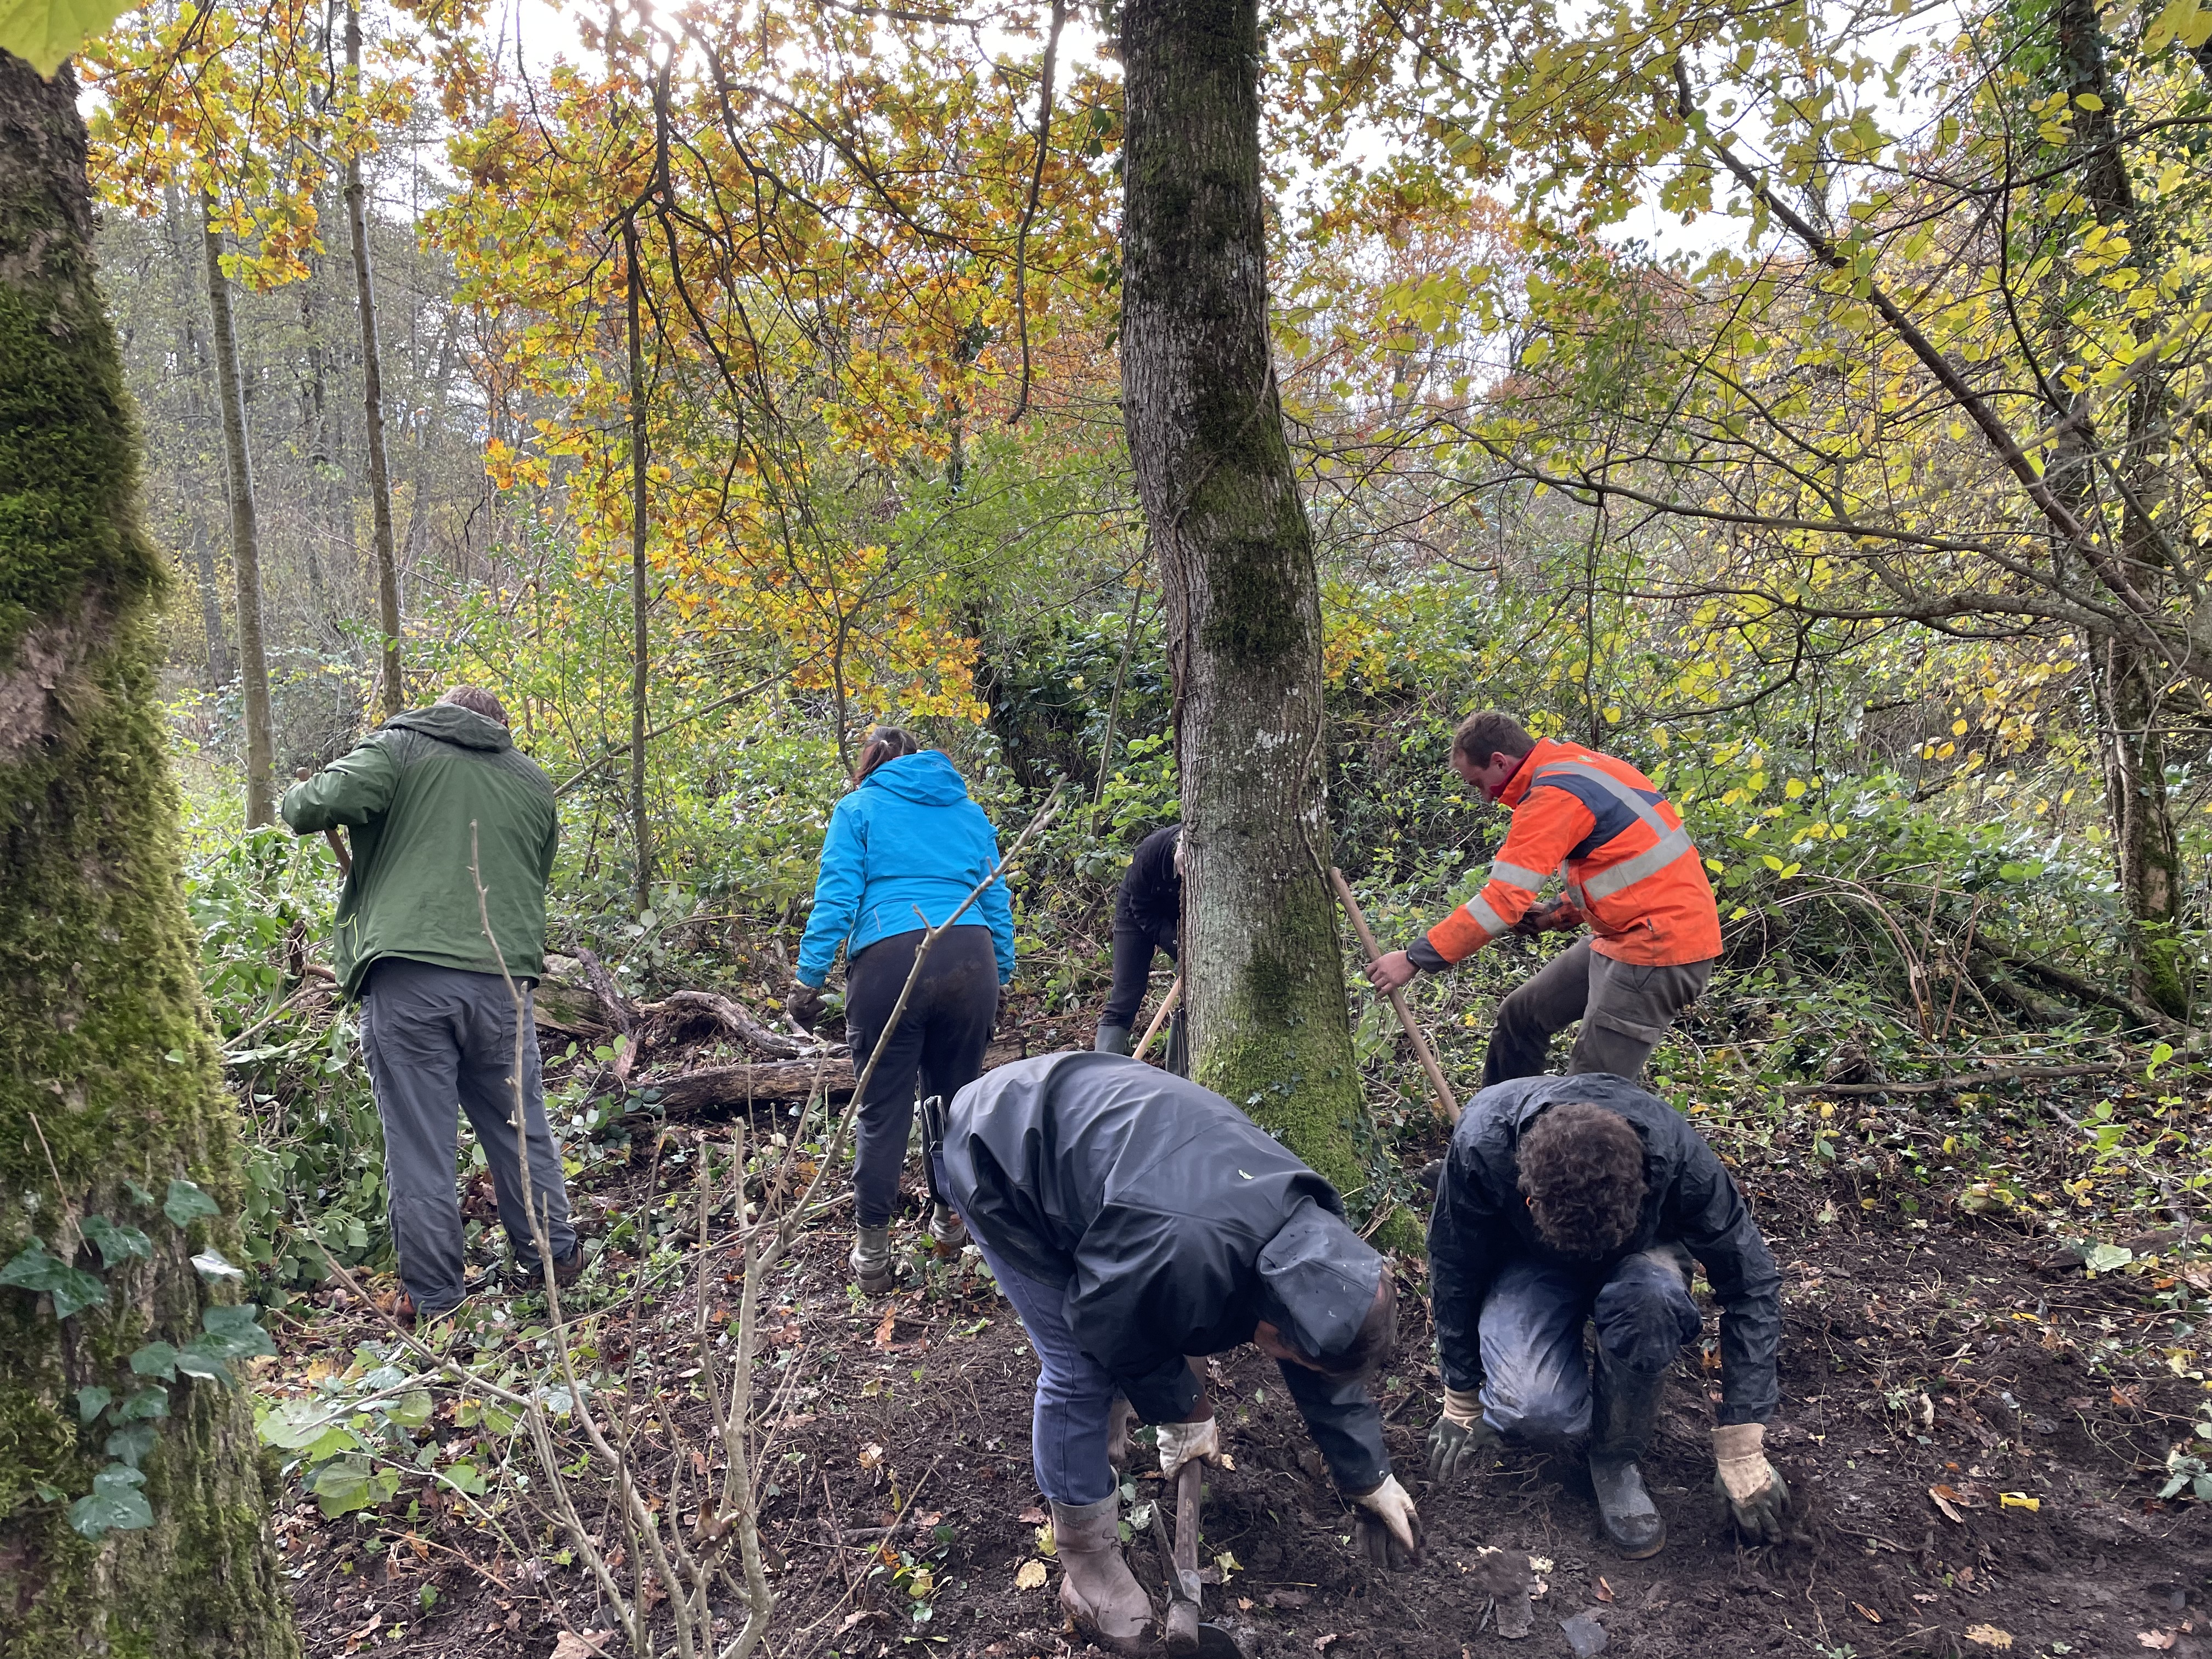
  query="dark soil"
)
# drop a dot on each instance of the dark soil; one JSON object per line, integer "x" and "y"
{"x": 1944, "y": 1354}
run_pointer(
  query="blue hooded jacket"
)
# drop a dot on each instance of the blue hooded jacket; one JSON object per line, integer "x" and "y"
{"x": 906, "y": 839}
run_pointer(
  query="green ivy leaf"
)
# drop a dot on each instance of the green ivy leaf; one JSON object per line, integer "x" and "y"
{"x": 115, "y": 1242}
{"x": 212, "y": 1267}
{"x": 155, "y": 1359}
{"x": 185, "y": 1203}
{"x": 145, "y": 1404}
{"x": 46, "y": 32}
{"x": 131, "y": 1443}
{"x": 71, "y": 1288}
{"x": 91, "y": 1400}
{"x": 114, "y": 1505}
{"x": 236, "y": 1331}
{"x": 351, "y": 1483}
{"x": 411, "y": 1410}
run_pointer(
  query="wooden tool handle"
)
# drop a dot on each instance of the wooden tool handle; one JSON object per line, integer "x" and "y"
{"x": 1167, "y": 1007}
{"x": 1447, "y": 1102}
{"x": 337, "y": 841}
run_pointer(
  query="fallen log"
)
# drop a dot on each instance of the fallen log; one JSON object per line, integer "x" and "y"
{"x": 725, "y": 1090}
{"x": 731, "y": 1017}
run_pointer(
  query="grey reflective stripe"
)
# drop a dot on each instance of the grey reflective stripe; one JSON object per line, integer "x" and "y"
{"x": 1484, "y": 918}
{"x": 1613, "y": 786}
{"x": 1674, "y": 844}
{"x": 1517, "y": 877}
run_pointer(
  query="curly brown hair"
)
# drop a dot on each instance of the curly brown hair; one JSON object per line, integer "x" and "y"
{"x": 1582, "y": 1169}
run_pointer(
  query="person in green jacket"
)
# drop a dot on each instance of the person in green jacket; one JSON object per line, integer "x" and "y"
{"x": 437, "y": 799}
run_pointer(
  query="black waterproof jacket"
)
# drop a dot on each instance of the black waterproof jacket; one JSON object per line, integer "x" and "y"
{"x": 1148, "y": 1201}
{"x": 1481, "y": 1222}
{"x": 1150, "y": 899}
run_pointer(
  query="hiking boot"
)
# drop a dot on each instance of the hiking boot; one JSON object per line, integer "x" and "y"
{"x": 1096, "y": 1589}
{"x": 524, "y": 1279}
{"x": 871, "y": 1259}
{"x": 1111, "y": 1040}
{"x": 1625, "y": 1411}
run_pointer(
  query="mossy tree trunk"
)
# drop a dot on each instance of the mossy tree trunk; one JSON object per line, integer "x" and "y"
{"x": 108, "y": 1076}
{"x": 1260, "y": 961}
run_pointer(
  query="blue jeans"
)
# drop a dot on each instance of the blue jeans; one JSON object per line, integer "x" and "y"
{"x": 1074, "y": 1394}
{"x": 1535, "y": 1383}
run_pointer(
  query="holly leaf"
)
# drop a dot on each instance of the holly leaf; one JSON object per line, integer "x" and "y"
{"x": 33, "y": 1269}
{"x": 46, "y": 32}
{"x": 114, "y": 1505}
{"x": 185, "y": 1203}
{"x": 115, "y": 1242}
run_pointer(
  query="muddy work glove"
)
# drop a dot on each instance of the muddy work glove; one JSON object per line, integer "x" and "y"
{"x": 1386, "y": 1529}
{"x": 804, "y": 1005}
{"x": 1553, "y": 916}
{"x": 1188, "y": 1443}
{"x": 1750, "y": 1487}
{"x": 1459, "y": 1442}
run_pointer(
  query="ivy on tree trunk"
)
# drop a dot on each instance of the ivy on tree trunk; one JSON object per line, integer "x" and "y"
{"x": 108, "y": 1075}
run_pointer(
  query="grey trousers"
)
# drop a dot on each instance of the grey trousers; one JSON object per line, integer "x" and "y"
{"x": 438, "y": 1038}
{"x": 1625, "y": 1008}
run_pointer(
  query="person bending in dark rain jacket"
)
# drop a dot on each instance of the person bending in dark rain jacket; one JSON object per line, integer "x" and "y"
{"x": 1573, "y": 1199}
{"x": 1133, "y": 1218}
{"x": 1147, "y": 918}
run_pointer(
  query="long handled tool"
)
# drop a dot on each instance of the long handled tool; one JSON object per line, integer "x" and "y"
{"x": 1447, "y": 1102}
{"x": 1185, "y": 1633}
{"x": 1167, "y": 1007}
{"x": 337, "y": 841}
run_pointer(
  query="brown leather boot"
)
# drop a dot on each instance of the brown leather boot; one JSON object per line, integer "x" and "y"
{"x": 1096, "y": 1589}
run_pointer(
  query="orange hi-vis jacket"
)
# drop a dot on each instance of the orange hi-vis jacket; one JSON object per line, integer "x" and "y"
{"x": 1628, "y": 864}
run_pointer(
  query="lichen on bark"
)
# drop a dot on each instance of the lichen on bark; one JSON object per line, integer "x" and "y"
{"x": 108, "y": 1075}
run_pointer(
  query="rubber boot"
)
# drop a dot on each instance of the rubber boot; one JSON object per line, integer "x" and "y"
{"x": 1624, "y": 1414}
{"x": 871, "y": 1259}
{"x": 1096, "y": 1589}
{"x": 950, "y": 1231}
{"x": 1111, "y": 1040}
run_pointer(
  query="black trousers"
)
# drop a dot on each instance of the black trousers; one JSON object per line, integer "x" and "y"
{"x": 936, "y": 1050}
{"x": 1133, "y": 968}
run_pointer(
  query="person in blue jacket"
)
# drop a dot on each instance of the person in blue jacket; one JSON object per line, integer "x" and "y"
{"x": 904, "y": 850}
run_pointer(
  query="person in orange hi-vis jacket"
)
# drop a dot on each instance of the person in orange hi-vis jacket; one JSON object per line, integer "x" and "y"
{"x": 1630, "y": 871}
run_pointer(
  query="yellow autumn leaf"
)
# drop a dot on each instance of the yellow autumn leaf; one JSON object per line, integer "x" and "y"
{"x": 47, "y": 31}
{"x": 1031, "y": 1577}
{"x": 1988, "y": 1635}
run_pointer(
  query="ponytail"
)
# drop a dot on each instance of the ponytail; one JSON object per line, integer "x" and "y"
{"x": 885, "y": 743}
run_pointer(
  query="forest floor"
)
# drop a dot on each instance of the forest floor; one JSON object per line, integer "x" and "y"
{"x": 1976, "y": 1430}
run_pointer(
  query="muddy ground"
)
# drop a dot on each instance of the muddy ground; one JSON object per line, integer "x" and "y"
{"x": 1959, "y": 1354}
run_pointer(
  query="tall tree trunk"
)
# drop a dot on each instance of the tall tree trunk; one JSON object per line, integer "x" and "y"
{"x": 191, "y": 367}
{"x": 245, "y": 536}
{"x": 372, "y": 383}
{"x": 108, "y": 1076}
{"x": 2129, "y": 704}
{"x": 1262, "y": 972}
{"x": 640, "y": 594}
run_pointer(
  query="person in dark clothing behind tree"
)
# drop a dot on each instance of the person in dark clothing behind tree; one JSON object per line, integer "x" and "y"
{"x": 1147, "y": 917}
{"x": 1578, "y": 1199}
{"x": 904, "y": 849}
{"x": 1133, "y": 1218}
{"x": 425, "y": 794}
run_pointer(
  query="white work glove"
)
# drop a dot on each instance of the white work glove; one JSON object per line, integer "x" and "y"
{"x": 1185, "y": 1443}
{"x": 1388, "y": 1529}
{"x": 1752, "y": 1487}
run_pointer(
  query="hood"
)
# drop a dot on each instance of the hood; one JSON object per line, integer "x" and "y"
{"x": 451, "y": 723}
{"x": 928, "y": 778}
{"x": 1317, "y": 1280}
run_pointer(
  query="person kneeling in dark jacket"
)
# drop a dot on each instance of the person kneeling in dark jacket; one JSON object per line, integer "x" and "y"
{"x": 1133, "y": 1218}
{"x": 1582, "y": 1198}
